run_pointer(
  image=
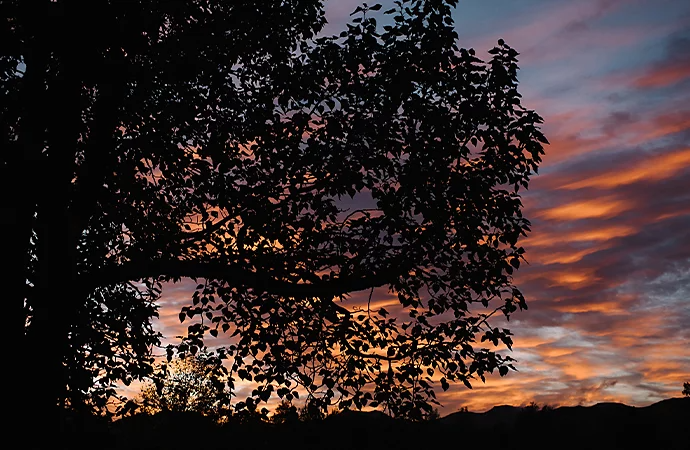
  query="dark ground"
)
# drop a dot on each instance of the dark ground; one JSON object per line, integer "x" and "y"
{"x": 663, "y": 425}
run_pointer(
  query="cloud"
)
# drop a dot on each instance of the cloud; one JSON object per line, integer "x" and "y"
{"x": 673, "y": 68}
{"x": 586, "y": 234}
{"x": 655, "y": 168}
{"x": 587, "y": 209}
{"x": 670, "y": 69}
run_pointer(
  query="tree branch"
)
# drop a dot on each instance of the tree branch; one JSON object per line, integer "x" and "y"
{"x": 194, "y": 235}
{"x": 234, "y": 275}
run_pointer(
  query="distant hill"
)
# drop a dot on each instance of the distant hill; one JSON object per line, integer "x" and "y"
{"x": 604, "y": 425}
{"x": 610, "y": 426}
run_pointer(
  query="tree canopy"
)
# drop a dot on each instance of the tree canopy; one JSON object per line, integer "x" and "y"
{"x": 195, "y": 384}
{"x": 228, "y": 142}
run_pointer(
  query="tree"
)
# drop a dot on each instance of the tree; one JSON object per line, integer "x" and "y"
{"x": 79, "y": 83}
{"x": 532, "y": 408}
{"x": 216, "y": 141}
{"x": 194, "y": 384}
{"x": 285, "y": 413}
{"x": 547, "y": 408}
{"x": 686, "y": 389}
{"x": 312, "y": 411}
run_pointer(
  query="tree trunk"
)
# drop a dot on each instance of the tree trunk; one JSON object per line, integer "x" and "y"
{"x": 53, "y": 309}
{"x": 54, "y": 299}
{"x": 17, "y": 225}
{"x": 20, "y": 188}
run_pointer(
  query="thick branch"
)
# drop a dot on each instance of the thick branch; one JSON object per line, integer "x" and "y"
{"x": 233, "y": 275}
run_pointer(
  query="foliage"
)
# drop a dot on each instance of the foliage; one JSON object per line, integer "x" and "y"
{"x": 686, "y": 389}
{"x": 285, "y": 413}
{"x": 97, "y": 114}
{"x": 312, "y": 411}
{"x": 110, "y": 343}
{"x": 442, "y": 159}
{"x": 224, "y": 142}
{"x": 251, "y": 415}
{"x": 194, "y": 384}
{"x": 533, "y": 407}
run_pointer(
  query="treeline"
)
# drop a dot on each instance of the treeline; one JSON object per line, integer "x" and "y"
{"x": 603, "y": 426}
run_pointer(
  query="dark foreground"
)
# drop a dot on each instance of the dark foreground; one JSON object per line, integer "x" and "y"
{"x": 664, "y": 425}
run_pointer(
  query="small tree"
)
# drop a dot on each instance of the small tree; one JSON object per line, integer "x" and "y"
{"x": 285, "y": 413}
{"x": 249, "y": 414}
{"x": 312, "y": 411}
{"x": 193, "y": 384}
{"x": 533, "y": 407}
{"x": 686, "y": 389}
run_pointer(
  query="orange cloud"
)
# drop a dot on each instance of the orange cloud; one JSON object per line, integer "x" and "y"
{"x": 567, "y": 256}
{"x": 671, "y": 215}
{"x": 606, "y": 307}
{"x": 555, "y": 352}
{"x": 664, "y": 125}
{"x": 657, "y": 168}
{"x": 587, "y": 209}
{"x": 563, "y": 147}
{"x": 602, "y": 234}
{"x": 579, "y": 367}
{"x": 514, "y": 389}
{"x": 573, "y": 278}
{"x": 570, "y": 277}
{"x": 665, "y": 76}
{"x": 599, "y": 234}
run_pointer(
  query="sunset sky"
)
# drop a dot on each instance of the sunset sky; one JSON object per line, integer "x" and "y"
{"x": 608, "y": 280}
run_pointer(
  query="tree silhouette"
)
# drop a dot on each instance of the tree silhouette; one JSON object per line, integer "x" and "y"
{"x": 312, "y": 411}
{"x": 434, "y": 415}
{"x": 146, "y": 142}
{"x": 285, "y": 413}
{"x": 193, "y": 384}
{"x": 686, "y": 389}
